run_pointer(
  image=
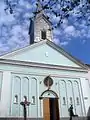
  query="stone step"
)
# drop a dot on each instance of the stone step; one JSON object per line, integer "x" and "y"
{"x": 74, "y": 118}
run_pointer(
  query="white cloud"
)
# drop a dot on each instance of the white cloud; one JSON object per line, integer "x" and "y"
{"x": 56, "y": 41}
{"x": 69, "y": 30}
{"x": 28, "y": 5}
{"x": 55, "y": 19}
{"x": 88, "y": 36}
{"x": 28, "y": 15}
{"x": 22, "y": 2}
{"x": 65, "y": 23}
{"x": 16, "y": 30}
{"x": 83, "y": 41}
{"x": 3, "y": 48}
{"x": 19, "y": 33}
{"x": 5, "y": 17}
{"x": 64, "y": 43}
{"x": 56, "y": 31}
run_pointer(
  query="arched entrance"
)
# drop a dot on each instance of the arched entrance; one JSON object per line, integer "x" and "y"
{"x": 50, "y": 105}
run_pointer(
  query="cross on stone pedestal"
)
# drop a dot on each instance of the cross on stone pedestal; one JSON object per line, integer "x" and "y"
{"x": 24, "y": 104}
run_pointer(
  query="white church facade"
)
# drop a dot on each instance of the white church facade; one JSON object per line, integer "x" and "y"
{"x": 50, "y": 79}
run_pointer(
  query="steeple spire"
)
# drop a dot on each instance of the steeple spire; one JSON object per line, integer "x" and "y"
{"x": 39, "y": 8}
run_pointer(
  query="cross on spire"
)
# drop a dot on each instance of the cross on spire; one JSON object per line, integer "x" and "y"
{"x": 39, "y": 7}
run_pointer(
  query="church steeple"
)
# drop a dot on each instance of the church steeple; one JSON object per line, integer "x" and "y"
{"x": 40, "y": 27}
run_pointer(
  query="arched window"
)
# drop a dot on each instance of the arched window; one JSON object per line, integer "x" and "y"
{"x": 16, "y": 99}
{"x": 77, "y": 99}
{"x": 24, "y": 98}
{"x": 71, "y": 100}
{"x": 33, "y": 100}
{"x": 64, "y": 101}
{"x": 43, "y": 34}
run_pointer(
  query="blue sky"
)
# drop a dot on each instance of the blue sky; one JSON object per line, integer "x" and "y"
{"x": 73, "y": 35}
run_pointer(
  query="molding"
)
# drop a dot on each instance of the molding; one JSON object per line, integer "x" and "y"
{"x": 35, "y": 74}
{"x": 51, "y": 75}
{"x": 41, "y": 65}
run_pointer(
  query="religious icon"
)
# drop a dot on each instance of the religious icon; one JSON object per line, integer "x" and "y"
{"x": 48, "y": 82}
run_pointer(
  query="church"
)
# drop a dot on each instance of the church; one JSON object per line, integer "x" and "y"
{"x": 46, "y": 75}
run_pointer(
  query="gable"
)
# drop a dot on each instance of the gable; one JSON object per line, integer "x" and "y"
{"x": 43, "y": 19}
{"x": 42, "y": 53}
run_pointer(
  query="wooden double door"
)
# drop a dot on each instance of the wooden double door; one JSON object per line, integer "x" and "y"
{"x": 50, "y": 109}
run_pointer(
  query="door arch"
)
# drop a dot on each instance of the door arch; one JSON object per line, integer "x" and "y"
{"x": 50, "y": 105}
{"x": 48, "y": 94}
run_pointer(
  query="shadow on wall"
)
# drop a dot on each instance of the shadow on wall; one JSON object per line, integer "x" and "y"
{"x": 88, "y": 114}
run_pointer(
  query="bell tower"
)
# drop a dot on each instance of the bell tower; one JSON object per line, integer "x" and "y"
{"x": 40, "y": 27}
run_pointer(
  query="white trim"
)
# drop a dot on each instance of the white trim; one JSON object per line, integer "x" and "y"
{"x": 52, "y": 75}
{"x": 42, "y": 65}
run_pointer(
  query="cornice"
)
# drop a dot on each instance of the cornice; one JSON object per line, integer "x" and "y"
{"x": 41, "y": 65}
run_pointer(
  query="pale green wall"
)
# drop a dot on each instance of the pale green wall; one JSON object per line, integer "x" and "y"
{"x": 35, "y": 77}
{"x": 5, "y": 94}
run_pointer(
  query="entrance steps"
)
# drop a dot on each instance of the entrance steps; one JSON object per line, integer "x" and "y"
{"x": 74, "y": 118}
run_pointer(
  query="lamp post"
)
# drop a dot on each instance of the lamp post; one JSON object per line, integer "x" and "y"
{"x": 24, "y": 104}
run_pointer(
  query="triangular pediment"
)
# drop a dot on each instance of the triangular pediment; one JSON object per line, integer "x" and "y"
{"x": 45, "y": 52}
